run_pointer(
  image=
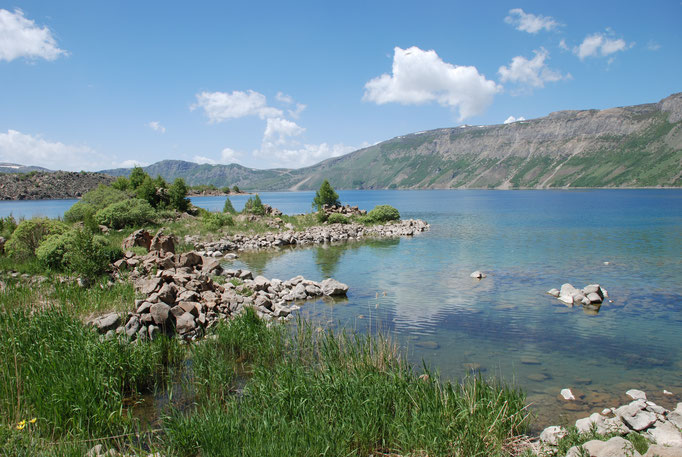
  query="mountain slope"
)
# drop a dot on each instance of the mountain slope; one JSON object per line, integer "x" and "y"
{"x": 631, "y": 146}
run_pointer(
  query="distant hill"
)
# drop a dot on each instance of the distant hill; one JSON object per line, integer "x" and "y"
{"x": 16, "y": 168}
{"x": 633, "y": 146}
{"x": 40, "y": 185}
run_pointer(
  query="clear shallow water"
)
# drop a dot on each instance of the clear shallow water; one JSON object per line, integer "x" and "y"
{"x": 527, "y": 242}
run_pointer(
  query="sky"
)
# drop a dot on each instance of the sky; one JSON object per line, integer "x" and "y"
{"x": 95, "y": 85}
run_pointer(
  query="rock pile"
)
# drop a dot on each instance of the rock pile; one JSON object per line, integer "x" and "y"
{"x": 591, "y": 296}
{"x": 184, "y": 295}
{"x": 313, "y": 235}
{"x": 345, "y": 210}
{"x": 654, "y": 422}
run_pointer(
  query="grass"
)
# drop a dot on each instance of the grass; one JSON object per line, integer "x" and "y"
{"x": 321, "y": 393}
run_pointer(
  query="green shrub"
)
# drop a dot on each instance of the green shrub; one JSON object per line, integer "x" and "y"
{"x": 228, "y": 208}
{"x": 121, "y": 183}
{"x": 336, "y": 218}
{"x": 7, "y": 226}
{"x": 137, "y": 177}
{"x": 93, "y": 201}
{"x": 325, "y": 196}
{"x": 51, "y": 251}
{"x": 29, "y": 234}
{"x": 384, "y": 213}
{"x": 254, "y": 206}
{"x": 177, "y": 195}
{"x": 79, "y": 212}
{"x": 235, "y": 189}
{"x": 321, "y": 216}
{"x": 132, "y": 212}
{"x": 214, "y": 221}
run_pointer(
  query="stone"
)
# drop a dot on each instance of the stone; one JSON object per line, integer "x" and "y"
{"x": 132, "y": 327}
{"x": 162, "y": 243}
{"x": 211, "y": 266}
{"x": 260, "y": 283}
{"x": 148, "y": 286}
{"x": 584, "y": 425}
{"x": 160, "y": 313}
{"x": 144, "y": 307}
{"x": 654, "y": 408}
{"x": 566, "y": 394}
{"x": 107, "y": 322}
{"x": 333, "y": 287}
{"x": 552, "y": 435}
{"x": 95, "y": 451}
{"x": 245, "y": 274}
{"x": 138, "y": 238}
{"x": 167, "y": 293}
{"x": 185, "y": 323}
{"x": 593, "y": 289}
{"x": 553, "y": 292}
{"x": 635, "y": 417}
{"x": 666, "y": 434}
{"x": 636, "y": 394}
{"x": 594, "y": 297}
{"x": 530, "y": 360}
{"x": 675, "y": 418}
{"x": 567, "y": 292}
{"x": 477, "y": 275}
{"x": 615, "y": 447}
{"x": 656, "y": 450}
{"x": 188, "y": 260}
{"x": 153, "y": 332}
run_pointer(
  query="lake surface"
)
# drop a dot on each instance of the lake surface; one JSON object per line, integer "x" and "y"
{"x": 527, "y": 242}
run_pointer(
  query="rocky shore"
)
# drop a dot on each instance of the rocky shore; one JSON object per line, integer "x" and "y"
{"x": 658, "y": 425}
{"x": 49, "y": 185}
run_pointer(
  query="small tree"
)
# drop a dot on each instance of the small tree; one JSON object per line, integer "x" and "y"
{"x": 325, "y": 196}
{"x": 254, "y": 206}
{"x": 228, "y": 208}
{"x": 137, "y": 177}
{"x": 235, "y": 189}
{"x": 177, "y": 195}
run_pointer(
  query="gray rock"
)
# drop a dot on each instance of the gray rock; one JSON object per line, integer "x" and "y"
{"x": 566, "y": 394}
{"x": 636, "y": 394}
{"x": 167, "y": 293}
{"x": 107, "y": 322}
{"x": 635, "y": 416}
{"x": 615, "y": 447}
{"x": 160, "y": 313}
{"x": 185, "y": 323}
{"x": 584, "y": 425}
{"x": 153, "y": 332}
{"x": 132, "y": 326}
{"x": 675, "y": 418}
{"x": 333, "y": 287}
{"x": 594, "y": 297}
{"x": 299, "y": 292}
{"x": 656, "y": 450}
{"x": 188, "y": 259}
{"x": 147, "y": 286}
{"x": 144, "y": 307}
{"x": 478, "y": 275}
{"x": 553, "y": 292}
{"x": 666, "y": 434}
{"x": 552, "y": 435}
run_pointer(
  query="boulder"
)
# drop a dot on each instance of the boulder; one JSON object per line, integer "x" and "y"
{"x": 261, "y": 283}
{"x": 566, "y": 394}
{"x": 148, "y": 286}
{"x": 107, "y": 322}
{"x": 478, "y": 275}
{"x": 656, "y": 450}
{"x": 567, "y": 293}
{"x": 552, "y": 435}
{"x": 185, "y": 323}
{"x": 636, "y": 394}
{"x": 594, "y": 297}
{"x": 133, "y": 326}
{"x": 333, "y": 287}
{"x": 635, "y": 417}
{"x": 188, "y": 260}
{"x": 666, "y": 434}
{"x": 211, "y": 266}
{"x": 162, "y": 243}
{"x": 553, "y": 292}
{"x": 138, "y": 238}
{"x": 615, "y": 447}
{"x": 167, "y": 293}
{"x": 160, "y": 313}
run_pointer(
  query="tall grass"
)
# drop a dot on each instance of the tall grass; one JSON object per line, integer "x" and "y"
{"x": 322, "y": 393}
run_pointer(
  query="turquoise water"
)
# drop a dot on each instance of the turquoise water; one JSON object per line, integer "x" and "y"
{"x": 419, "y": 289}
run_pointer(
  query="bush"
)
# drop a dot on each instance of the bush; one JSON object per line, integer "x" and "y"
{"x": 78, "y": 251}
{"x": 133, "y": 212}
{"x": 254, "y": 206}
{"x": 7, "y": 226}
{"x": 384, "y": 213}
{"x": 51, "y": 251}
{"x": 29, "y": 234}
{"x": 79, "y": 212}
{"x": 121, "y": 183}
{"x": 137, "y": 177}
{"x": 228, "y": 208}
{"x": 325, "y": 196}
{"x": 235, "y": 189}
{"x": 177, "y": 195}
{"x": 93, "y": 201}
{"x": 214, "y": 221}
{"x": 336, "y": 218}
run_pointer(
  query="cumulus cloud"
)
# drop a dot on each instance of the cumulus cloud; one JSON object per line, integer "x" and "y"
{"x": 511, "y": 119}
{"x": 289, "y": 100}
{"x": 533, "y": 72}
{"x": 600, "y": 45}
{"x": 202, "y": 160}
{"x": 131, "y": 163}
{"x": 21, "y": 37}
{"x": 278, "y": 129}
{"x": 26, "y": 149}
{"x": 228, "y": 155}
{"x": 156, "y": 126}
{"x": 531, "y": 23}
{"x": 653, "y": 46}
{"x": 420, "y": 77}
{"x": 284, "y": 98}
{"x": 307, "y": 154}
{"x": 220, "y": 106}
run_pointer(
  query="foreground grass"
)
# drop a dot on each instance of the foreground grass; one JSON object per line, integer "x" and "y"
{"x": 255, "y": 389}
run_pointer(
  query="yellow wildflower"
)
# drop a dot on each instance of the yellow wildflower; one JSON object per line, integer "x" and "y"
{"x": 33, "y": 421}
{"x": 21, "y": 425}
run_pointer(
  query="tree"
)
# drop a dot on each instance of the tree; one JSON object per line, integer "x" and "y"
{"x": 254, "y": 206}
{"x": 235, "y": 189}
{"x": 137, "y": 177}
{"x": 177, "y": 194}
{"x": 325, "y": 196}
{"x": 147, "y": 191}
{"x": 228, "y": 208}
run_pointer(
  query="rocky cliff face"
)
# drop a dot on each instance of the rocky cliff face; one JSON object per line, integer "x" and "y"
{"x": 53, "y": 185}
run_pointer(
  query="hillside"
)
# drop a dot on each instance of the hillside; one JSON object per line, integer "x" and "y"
{"x": 37, "y": 185}
{"x": 16, "y": 168}
{"x": 634, "y": 146}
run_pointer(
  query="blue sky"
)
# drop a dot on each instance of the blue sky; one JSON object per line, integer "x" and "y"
{"x": 93, "y": 85}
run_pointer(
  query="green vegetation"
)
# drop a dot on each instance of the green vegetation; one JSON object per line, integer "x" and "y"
{"x": 28, "y": 235}
{"x": 7, "y": 226}
{"x": 127, "y": 213}
{"x": 228, "y": 208}
{"x": 215, "y": 221}
{"x": 254, "y": 206}
{"x": 326, "y": 195}
{"x": 383, "y": 213}
{"x": 336, "y": 218}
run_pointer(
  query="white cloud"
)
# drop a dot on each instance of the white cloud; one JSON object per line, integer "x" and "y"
{"x": 220, "y": 106}
{"x": 420, "y": 77}
{"x": 228, "y": 155}
{"x": 295, "y": 113}
{"x": 156, "y": 126}
{"x": 307, "y": 154}
{"x": 278, "y": 129}
{"x": 600, "y": 45}
{"x": 289, "y": 100}
{"x": 21, "y": 37}
{"x": 653, "y": 46}
{"x": 131, "y": 163}
{"x": 533, "y": 72}
{"x": 202, "y": 159}
{"x": 25, "y": 149}
{"x": 531, "y": 23}
{"x": 511, "y": 119}
{"x": 563, "y": 45}
{"x": 284, "y": 98}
